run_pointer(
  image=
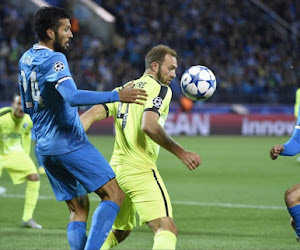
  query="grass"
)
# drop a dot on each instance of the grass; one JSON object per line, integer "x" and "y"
{"x": 234, "y": 200}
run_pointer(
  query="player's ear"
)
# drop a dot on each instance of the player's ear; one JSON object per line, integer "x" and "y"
{"x": 154, "y": 67}
{"x": 50, "y": 33}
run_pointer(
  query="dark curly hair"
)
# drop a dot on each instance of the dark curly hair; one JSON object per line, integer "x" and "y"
{"x": 48, "y": 17}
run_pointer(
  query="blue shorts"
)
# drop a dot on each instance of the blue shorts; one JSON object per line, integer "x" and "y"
{"x": 77, "y": 173}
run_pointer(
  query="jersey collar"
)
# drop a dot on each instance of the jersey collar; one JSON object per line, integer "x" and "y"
{"x": 155, "y": 80}
{"x": 38, "y": 46}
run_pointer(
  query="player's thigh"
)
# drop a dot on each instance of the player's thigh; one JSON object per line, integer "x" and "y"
{"x": 147, "y": 192}
{"x": 89, "y": 167}
{"x": 64, "y": 185}
{"x": 18, "y": 165}
{"x": 78, "y": 172}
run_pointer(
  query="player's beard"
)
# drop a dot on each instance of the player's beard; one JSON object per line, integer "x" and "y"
{"x": 159, "y": 76}
{"x": 57, "y": 45}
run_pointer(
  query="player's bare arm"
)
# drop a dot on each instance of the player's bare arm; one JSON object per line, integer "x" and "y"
{"x": 95, "y": 113}
{"x": 132, "y": 95}
{"x": 275, "y": 151}
{"x": 156, "y": 132}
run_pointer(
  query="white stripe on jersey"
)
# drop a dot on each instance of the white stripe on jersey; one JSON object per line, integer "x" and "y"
{"x": 297, "y": 126}
{"x": 61, "y": 80}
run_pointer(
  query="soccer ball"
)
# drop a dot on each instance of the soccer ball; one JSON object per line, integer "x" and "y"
{"x": 198, "y": 83}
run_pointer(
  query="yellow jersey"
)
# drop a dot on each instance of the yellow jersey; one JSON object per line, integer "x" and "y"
{"x": 132, "y": 146}
{"x": 15, "y": 133}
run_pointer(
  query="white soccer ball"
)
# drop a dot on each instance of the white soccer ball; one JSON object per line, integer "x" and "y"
{"x": 198, "y": 83}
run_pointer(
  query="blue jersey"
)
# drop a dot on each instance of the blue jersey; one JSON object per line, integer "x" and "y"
{"x": 57, "y": 125}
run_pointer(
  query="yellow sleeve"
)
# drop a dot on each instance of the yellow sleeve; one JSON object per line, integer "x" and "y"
{"x": 158, "y": 99}
{"x": 297, "y": 103}
{"x": 111, "y": 108}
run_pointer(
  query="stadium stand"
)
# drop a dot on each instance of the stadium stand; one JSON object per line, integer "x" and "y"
{"x": 253, "y": 61}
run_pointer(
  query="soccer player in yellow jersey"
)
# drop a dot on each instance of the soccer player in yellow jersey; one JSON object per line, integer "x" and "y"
{"x": 15, "y": 143}
{"x": 139, "y": 133}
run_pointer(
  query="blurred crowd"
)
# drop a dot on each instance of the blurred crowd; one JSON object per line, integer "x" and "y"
{"x": 241, "y": 43}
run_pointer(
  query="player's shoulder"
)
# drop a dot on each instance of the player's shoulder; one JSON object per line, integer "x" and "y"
{"x": 148, "y": 82}
{"x": 42, "y": 56}
{"x": 57, "y": 59}
{"x": 155, "y": 87}
{"x": 5, "y": 110}
{"x": 27, "y": 118}
{"x": 27, "y": 122}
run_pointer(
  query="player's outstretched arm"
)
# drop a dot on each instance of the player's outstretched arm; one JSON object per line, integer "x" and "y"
{"x": 156, "y": 132}
{"x": 67, "y": 89}
{"x": 131, "y": 95}
{"x": 290, "y": 148}
{"x": 95, "y": 113}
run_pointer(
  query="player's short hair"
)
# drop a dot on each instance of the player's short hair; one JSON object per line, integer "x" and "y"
{"x": 15, "y": 96}
{"x": 157, "y": 54}
{"x": 48, "y": 17}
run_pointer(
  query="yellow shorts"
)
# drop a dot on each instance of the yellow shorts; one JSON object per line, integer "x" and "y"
{"x": 145, "y": 193}
{"x": 18, "y": 165}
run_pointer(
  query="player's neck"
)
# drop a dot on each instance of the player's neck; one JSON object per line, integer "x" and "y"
{"x": 16, "y": 118}
{"x": 151, "y": 73}
{"x": 46, "y": 44}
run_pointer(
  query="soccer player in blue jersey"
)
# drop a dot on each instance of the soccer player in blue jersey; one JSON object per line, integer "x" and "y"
{"x": 292, "y": 195}
{"x": 73, "y": 165}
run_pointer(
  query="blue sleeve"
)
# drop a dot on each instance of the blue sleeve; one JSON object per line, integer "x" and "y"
{"x": 292, "y": 146}
{"x": 75, "y": 97}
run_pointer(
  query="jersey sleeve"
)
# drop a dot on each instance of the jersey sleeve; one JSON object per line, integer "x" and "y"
{"x": 56, "y": 68}
{"x": 110, "y": 109}
{"x": 158, "y": 99}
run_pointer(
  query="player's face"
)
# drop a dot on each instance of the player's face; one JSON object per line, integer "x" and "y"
{"x": 167, "y": 71}
{"x": 17, "y": 107}
{"x": 63, "y": 36}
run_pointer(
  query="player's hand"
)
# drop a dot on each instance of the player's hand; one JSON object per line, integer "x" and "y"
{"x": 275, "y": 151}
{"x": 130, "y": 95}
{"x": 191, "y": 160}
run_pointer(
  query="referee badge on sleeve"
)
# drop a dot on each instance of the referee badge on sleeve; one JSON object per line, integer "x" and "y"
{"x": 157, "y": 102}
{"x": 58, "y": 66}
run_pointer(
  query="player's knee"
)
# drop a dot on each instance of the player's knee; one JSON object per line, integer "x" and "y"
{"x": 79, "y": 208}
{"x": 112, "y": 191}
{"x": 161, "y": 224}
{"x": 292, "y": 196}
{"x": 121, "y": 196}
{"x": 83, "y": 203}
{"x": 173, "y": 229}
{"x": 117, "y": 195}
{"x": 121, "y": 235}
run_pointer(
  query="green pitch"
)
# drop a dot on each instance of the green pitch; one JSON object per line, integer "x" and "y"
{"x": 233, "y": 201}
